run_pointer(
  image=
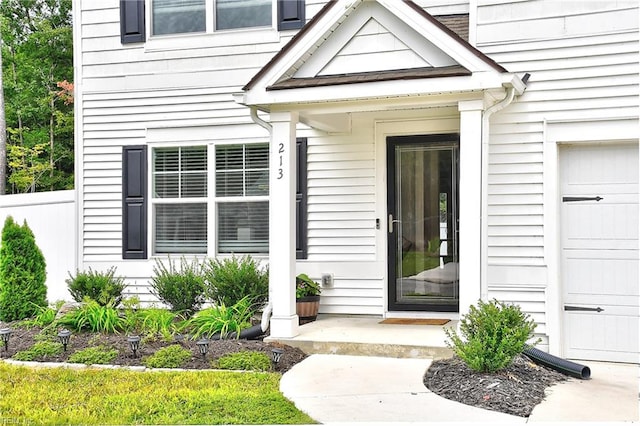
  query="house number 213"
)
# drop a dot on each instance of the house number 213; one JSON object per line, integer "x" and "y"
{"x": 280, "y": 151}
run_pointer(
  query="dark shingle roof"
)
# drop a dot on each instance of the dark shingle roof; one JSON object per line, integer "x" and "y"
{"x": 367, "y": 77}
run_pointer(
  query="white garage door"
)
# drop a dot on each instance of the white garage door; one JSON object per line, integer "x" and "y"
{"x": 599, "y": 229}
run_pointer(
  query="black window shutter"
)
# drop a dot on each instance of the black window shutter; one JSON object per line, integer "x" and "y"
{"x": 301, "y": 199}
{"x": 290, "y": 14}
{"x": 134, "y": 202}
{"x": 132, "y": 21}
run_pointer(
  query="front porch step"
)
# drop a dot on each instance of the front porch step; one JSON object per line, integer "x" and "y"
{"x": 359, "y": 335}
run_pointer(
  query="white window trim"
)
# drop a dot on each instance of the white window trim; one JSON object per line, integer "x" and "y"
{"x": 211, "y": 37}
{"x": 213, "y": 250}
{"x": 153, "y": 200}
{"x": 211, "y": 200}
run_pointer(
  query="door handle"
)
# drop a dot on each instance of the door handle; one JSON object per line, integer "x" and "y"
{"x": 391, "y": 222}
{"x": 582, "y": 308}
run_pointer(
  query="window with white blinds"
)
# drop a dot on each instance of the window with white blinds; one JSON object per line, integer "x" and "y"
{"x": 188, "y": 16}
{"x": 179, "y": 177}
{"x": 242, "y": 196}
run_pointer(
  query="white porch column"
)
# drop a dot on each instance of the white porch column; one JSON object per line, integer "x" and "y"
{"x": 282, "y": 224}
{"x": 470, "y": 207}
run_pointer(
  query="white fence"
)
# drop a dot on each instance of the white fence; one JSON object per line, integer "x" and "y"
{"x": 52, "y": 218}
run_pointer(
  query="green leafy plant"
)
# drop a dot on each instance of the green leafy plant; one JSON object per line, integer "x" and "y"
{"x": 103, "y": 287}
{"x": 157, "y": 321}
{"x": 306, "y": 287}
{"x": 94, "y": 355}
{"x": 45, "y": 316}
{"x": 493, "y": 334}
{"x": 245, "y": 360}
{"x": 39, "y": 350}
{"x": 22, "y": 273}
{"x": 221, "y": 319}
{"x": 94, "y": 317}
{"x": 181, "y": 288}
{"x": 173, "y": 356}
{"x": 231, "y": 279}
{"x": 131, "y": 314}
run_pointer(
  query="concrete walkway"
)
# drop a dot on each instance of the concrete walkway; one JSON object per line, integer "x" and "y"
{"x": 347, "y": 389}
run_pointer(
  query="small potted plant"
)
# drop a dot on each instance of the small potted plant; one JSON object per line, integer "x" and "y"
{"x": 307, "y": 298}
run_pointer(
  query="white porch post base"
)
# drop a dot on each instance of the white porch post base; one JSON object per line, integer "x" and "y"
{"x": 284, "y": 327}
{"x": 470, "y": 207}
{"x": 282, "y": 225}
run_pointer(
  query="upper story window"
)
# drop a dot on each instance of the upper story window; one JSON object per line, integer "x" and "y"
{"x": 189, "y": 16}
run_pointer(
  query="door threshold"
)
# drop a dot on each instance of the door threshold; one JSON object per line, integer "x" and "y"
{"x": 454, "y": 316}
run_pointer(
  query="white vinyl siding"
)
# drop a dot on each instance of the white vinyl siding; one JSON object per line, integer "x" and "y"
{"x": 573, "y": 75}
{"x": 341, "y": 199}
{"x": 583, "y": 61}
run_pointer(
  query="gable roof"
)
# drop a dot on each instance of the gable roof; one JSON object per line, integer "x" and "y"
{"x": 312, "y": 58}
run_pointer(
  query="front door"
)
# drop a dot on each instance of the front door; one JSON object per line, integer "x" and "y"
{"x": 422, "y": 178}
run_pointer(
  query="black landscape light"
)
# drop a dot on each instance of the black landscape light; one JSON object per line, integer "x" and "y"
{"x": 134, "y": 343}
{"x": 203, "y": 347}
{"x": 64, "y": 338}
{"x": 5, "y": 333}
{"x": 276, "y": 354}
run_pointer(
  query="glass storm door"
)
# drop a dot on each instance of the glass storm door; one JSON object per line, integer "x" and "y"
{"x": 423, "y": 223}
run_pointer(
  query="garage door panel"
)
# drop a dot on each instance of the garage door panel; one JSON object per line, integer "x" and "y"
{"x": 600, "y": 277}
{"x": 607, "y": 222}
{"x": 599, "y": 253}
{"x": 601, "y": 164}
{"x": 602, "y": 337}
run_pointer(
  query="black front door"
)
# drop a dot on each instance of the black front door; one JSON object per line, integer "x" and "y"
{"x": 422, "y": 178}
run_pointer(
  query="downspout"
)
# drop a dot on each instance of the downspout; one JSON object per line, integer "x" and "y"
{"x": 268, "y": 309}
{"x": 484, "y": 237}
{"x": 254, "y": 116}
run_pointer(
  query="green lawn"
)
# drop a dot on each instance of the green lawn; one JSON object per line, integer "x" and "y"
{"x": 63, "y": 396}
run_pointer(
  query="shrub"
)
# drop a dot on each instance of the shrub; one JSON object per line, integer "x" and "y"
{"x": 182, "y": 289}
{"x": 229, "y": 280}
{"x": 39, "y": 350}
{"x": 94, "y": 355}
{"x": 173, "y": 356}
{"x": 221, "y": 319}
{"x": 94, "y": 317}
{"x": 22, "y": 273}
{"x": 494, "y": 333}
{"x": 245, "y": 360}
{"x": 103, "y": 287}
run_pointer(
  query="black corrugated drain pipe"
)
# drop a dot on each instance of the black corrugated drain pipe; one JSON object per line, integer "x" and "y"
{"x": 559, "y": 364}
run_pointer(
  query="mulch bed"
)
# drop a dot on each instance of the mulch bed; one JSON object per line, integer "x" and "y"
{"x": 514, "y": 390}
{"x": 23, "y": 338}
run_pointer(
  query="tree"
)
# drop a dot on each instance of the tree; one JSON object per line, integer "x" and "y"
{"x": 22, "y": 273}
{"x": 38, "y": 56}
{"x": 3, "y": 136}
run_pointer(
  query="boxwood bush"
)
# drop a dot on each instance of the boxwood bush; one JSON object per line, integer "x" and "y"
{"x": 103, "y": 287}
{"x": 493, "y": 334}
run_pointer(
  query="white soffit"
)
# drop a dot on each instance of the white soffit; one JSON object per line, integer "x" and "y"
{"x": 371, "y": 39}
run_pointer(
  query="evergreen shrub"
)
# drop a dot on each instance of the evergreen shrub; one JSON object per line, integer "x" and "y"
{"x": 231, "y": 279}
{"x": 22, "y": 273}
{"x": 493, "y": 334}
{"x": 103, "y": 287}
{"x": 182, "y": 288}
